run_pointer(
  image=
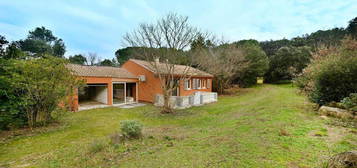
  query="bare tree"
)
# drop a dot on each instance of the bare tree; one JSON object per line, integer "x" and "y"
{"x": 224, "y": 62}
{"x": 165, "y": 40}
{"x": 92, "y": 59}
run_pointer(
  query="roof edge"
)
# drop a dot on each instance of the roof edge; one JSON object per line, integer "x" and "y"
{"x": 133, "y": 60}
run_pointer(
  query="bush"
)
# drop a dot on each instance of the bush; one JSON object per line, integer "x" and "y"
{"x": 12, "y": 114}
{"x": 31, "y": 90}
{"x": 332, "y": 75}
{"x": 131, "y": 128}
{"x": 350, "y": 102}
{"x": 335, "y": 81}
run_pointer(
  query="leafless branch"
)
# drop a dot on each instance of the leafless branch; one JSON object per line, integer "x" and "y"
{"x": 166, "y": 40}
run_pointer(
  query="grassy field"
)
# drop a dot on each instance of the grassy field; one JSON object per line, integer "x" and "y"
{"x": 265, "y": 126}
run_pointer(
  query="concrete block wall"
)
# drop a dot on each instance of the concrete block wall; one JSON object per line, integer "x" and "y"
{"x": 101, "y": 94}
{"x": 208, "y": 98}
{"x": 180, "y": 102}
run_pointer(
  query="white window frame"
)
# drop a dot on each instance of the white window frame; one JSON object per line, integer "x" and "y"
{"x": 204, "y": 83}
{"x": 187, "y": 84}
{"x": 199, "y": 84}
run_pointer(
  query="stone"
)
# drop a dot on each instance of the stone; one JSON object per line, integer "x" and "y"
{"x": 336, "y": 112}
{"x": 324, "y": 117}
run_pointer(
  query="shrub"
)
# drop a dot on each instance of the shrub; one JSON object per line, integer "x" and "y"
{"x": 350, "y": 102}
{"x": 131, "y": 128}
{"x": 335, "y": 81}
{"x": 332, "y": 75}
{"x": 12, "y": 114}
{"x": 31, "y": 90}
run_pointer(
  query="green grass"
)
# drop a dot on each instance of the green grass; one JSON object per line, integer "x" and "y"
{"x": 244, "y": 130}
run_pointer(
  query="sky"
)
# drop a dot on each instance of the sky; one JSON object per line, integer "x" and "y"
{"x": 98, "y": 26}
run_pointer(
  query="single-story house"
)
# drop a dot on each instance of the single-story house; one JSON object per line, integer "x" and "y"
{"x": 134, "y": 81}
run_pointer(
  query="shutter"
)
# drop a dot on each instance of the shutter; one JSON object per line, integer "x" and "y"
{"x": 186, "y": 84}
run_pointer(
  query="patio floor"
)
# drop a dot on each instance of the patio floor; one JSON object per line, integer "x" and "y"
{"x": 132, "y": 105}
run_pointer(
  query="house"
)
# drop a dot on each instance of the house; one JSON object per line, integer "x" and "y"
{"x": 134, "y": 81}
{"x": 148, "y": 89}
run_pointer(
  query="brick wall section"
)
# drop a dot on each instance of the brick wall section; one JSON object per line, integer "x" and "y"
{"x": 147, "y": 89}
{"x": 184, "y": 92}
{"x": 151, "y": 87}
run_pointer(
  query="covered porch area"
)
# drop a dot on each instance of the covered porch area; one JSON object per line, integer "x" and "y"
{"x": 93, "y": 96}
{"x": 125, "y": 93}
{"x": 113, "y": 93}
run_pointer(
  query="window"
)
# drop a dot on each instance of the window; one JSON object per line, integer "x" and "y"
{"x": 208, "y": 83}
{"x": 195, "y": 84}
{"x": 204, "y": 83}
{"x": 187, "y": 84}
{"x": 199, "y": 83}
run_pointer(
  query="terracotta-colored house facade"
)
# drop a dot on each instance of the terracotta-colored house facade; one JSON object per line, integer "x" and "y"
{"x": 151, "y": 86}
{"x": 134, "y": 81}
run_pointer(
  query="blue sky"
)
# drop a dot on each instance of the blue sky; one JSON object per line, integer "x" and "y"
{"x": 98, "y": 26}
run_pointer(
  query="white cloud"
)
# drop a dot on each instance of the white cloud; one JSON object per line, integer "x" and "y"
{"x": 97, "y": 26}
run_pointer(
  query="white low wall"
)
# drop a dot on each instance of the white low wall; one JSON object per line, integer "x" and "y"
{"x": 196, "y": 99}
{"x": 101, "y": 94}
{"x": 208, "y": 98}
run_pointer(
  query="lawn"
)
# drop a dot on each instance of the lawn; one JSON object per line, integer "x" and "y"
{"x": 264, "y": 126}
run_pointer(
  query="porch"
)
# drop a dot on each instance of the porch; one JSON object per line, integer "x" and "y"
{"x": 100, "y": 95}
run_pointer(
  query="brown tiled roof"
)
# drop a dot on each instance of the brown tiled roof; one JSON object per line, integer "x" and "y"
{"x": 178, "y": 69}
{"x": 100, "y": 71}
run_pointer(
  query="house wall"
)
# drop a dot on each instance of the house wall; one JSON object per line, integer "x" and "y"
{"x": 149, "y": 88}
{"x": 184, "y": 92}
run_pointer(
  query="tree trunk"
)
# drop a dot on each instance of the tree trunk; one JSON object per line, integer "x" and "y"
{"x": 166, "y": 108}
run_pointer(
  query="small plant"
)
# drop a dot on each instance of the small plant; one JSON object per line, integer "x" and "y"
{"x": 131, "y": 128}
{"x": 350, "y": 102}
{"x": 96, "y": 146}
